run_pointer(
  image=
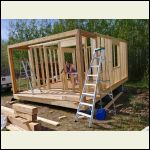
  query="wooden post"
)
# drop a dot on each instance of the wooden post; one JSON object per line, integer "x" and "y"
{"x": 46, "y": 67}
{"x": 30, "y": 54}
{"x": 93, "y": 46}
{"x": 12, "y": 70}
{"x": 86, "y": 55}
{"x": 37, "y": 67}
{"x": 42, "y": 65}
{"x": 79, "y": 55}
{"x": 54, "y": 53}
{"x": 59, "y": 60}
{"x": 50, "y": 57}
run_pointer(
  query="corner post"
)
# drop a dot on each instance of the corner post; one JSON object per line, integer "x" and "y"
{"x": 80, "y": 63}
{"x": 12, "y": 70}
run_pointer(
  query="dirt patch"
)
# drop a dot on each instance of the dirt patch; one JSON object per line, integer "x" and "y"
{"x": 132, "y": 114}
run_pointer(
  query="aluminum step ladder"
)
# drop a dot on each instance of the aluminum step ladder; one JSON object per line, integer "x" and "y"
{"x": 84, "y": 94}
{"x": 27, "y": 72}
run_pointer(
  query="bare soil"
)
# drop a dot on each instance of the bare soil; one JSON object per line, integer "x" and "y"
{"x": 132, "y": 114}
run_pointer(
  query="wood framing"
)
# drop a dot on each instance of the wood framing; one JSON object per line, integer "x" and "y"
{"x": 47, "y": 63}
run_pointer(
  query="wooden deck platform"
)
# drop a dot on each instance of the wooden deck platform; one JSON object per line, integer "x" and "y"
{"x": 56, "y": 97}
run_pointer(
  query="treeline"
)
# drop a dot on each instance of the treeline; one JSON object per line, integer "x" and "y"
{"x": 136, "y": 32}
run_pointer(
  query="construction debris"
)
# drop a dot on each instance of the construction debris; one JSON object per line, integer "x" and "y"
{"x": 62, "y": 117}
{"x": 23, "y": 120}
{"x": 48, "y": 121}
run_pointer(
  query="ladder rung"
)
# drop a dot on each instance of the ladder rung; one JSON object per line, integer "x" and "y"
{"x": 87, "y": 104}
{"x": 84, "y": 114}
{"x": 90, "y": 84}
{"x": 95, "y": 66}
{"x": 93, "y": 75}
{"x": 88, "y": 94}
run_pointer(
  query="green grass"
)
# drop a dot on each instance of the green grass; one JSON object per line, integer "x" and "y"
{"x": 138, "y": 84}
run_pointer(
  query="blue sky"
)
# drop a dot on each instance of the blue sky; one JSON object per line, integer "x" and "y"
{"x": 5, "y": 27}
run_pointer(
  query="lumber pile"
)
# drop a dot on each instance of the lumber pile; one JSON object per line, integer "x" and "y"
{"x": 24, "y": 118}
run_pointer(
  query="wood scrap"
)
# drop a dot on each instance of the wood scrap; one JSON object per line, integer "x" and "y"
{"x": 118, "y": 105}
{"x": 12, "y": 127}
{"x": 61, "y": 117}
{"x": 48, "y": 121}
{"x": 22, "y": 123}
{"x": 26, "y": 116}
{"x": 25, "y": 109}
{"x": 10, "y": 112}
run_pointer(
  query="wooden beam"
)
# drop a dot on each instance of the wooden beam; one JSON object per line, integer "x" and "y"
{"x": 42, "y": 65}
{"x": 31, "y": 62}
{"x": 31, "y": 110}
{"x": 26, "y": 116}
{"x": 79, "y": 57}
{"x": 10, "y": 113}
{"x": 54, "y": 123}
{"x": 87, "y": 34}
{"x": 51, "y": 64}
{"x": 45, "y": 39}
{"x": 47, "y": 68}
{"x": 59, "y": 60}
{"x": 12, "y": 127}
{"x": 86, "y": 55}
{"x": 112, "y": 101}
{"x": 56, "y": 73}
{"x": 12, "y": 69}
{"x": 37, "y": 68}
{"x": 29, "y": 126}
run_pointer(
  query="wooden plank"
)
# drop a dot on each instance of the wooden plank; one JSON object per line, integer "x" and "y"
{"x": 51, "y": 64}
{"x": 54, "y": 123}
{"x": 64, "y": 75}
{"x": 85, "y": 55}
{"x": 56, "y": 73}
{"x": 87, "y": 34}
{"x": 12, "y": 127}
{"x": 79, "y": 57}
{"x": 26, "y": 116}
{"x": 110, "y": 37}
{"x": 31, "y": 110}
{"x": 10, "y": 113}
{"x": 126, "y": 47}
{"x": 12, "y": 70}
{"x": 31, "y": 62}
{"x": 42, "y": 65}
{"x": 61, "y": 117}
{"x": 45, "y": 39}
{"x": 37, "y": 68}
{"x": 104, "y": 63}
{"x": 59, "y": 60}
{"x": 95, "y": 62}
{"x": 29, "y": 126}
{"x": 112, "y": 101}
{"x": 46, "y": 67}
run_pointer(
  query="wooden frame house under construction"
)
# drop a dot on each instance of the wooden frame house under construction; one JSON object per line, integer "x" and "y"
{"x": 46, "y": 57}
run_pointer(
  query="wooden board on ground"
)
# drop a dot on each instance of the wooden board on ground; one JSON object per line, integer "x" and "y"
{"x": 10, "y": 112}
{"x": 48, "y": 121}
{"x": 20, "y": 122}
{"x": 12, "y": 127}
{"x": 26, "y": 116}
{"x": 31, "y": 110}
{"x": 61, "y": 117}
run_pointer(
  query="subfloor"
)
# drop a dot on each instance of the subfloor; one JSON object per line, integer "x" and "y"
{"x": 132, "y": 114}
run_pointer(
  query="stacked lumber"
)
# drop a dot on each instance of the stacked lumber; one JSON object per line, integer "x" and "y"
{"x": 24, "y": 117}
{"x": 20, "y": 120}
